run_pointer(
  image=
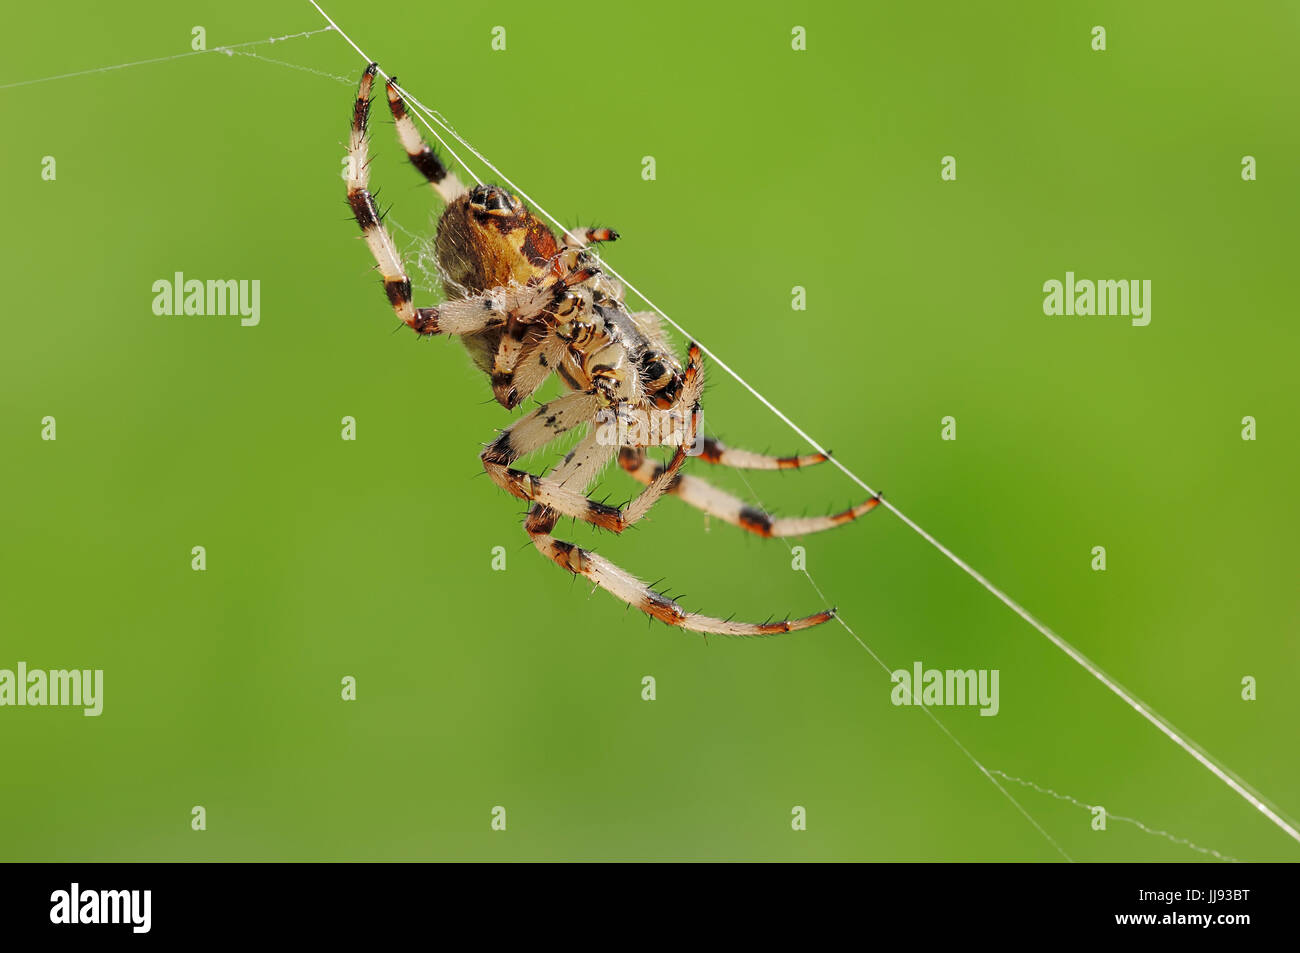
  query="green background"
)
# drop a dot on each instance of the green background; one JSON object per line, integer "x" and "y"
{"x": 775, "y": 168}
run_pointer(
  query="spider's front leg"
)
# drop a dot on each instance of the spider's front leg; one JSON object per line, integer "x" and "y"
{"x": 468, "y": 316}
{"x": 397, "y": 286}
{"x": 422, "y": 156}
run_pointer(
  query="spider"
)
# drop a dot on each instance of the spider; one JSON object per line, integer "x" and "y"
{"x": 527, "y": 304}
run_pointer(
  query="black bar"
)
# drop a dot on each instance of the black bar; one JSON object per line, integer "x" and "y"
{"x": 970, "y": 902}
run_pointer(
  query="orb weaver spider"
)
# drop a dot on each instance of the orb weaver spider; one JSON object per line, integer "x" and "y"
{"x": 526, "y": 305}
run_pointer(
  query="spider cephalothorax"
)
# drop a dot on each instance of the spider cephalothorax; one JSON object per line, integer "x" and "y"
{"x": 527, "y": 304}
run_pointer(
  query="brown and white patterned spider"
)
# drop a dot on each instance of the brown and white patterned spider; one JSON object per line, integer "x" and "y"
{"x": 527, "y": 305}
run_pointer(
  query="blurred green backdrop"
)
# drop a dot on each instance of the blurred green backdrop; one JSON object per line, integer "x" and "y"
{"x": 775, "y": 168}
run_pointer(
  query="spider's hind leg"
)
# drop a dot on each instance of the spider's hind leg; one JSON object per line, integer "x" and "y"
{"x": 717, "y": 502}
{"x": 623, "y": 585}
{"x": 714, "y": 451}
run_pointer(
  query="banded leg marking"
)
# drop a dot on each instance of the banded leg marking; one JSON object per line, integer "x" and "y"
{"x": 553, "y": 493}
{"x": 581, "y": 237}
{"x": 397, "y": 286}
{"x": 421, "y": 154}
{"x": 716, "y": 452}
{"x": 537, "y": 363}
{"x": 717, "y": 502}
{"x": 621, "y": 584}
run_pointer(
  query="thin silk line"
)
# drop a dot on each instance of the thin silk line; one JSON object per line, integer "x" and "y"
{"x": 839, "y": 617}
{"x": 294, "y": 66}
{"x": 164, "y": 59}
{"x": 1242, "y": 789}
{"x": 988, "y": 772}
{"x": 1117, "y": 817}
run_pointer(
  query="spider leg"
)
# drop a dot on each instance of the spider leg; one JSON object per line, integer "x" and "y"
{"x": 623, "y": 585}
{"x": 538, "y": 429}
{"x": 510, "y": 350}
{"x": 396, "y": 284}
{"x": 541, "y": 426}
{"x": 530, "y": 324}
{"x": 535, "y": 431}
{"x": 715, "y": 451}
{"x": 535, "y": 364}
{"x": 527, "y": 305}
{"x": 467, "y": 316}
{"x": 717, "y": 502}
{"x": 553, "y": 493}
{"x": 581, "y": 237}
{"x": 422, "y": 156}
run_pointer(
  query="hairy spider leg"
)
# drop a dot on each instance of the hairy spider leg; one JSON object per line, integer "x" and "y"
{"x": 626, "y": 587}
{"x": 581, "y": 237}
{"x": 714, "y": 451}
{"x": 539, "y": 359}
{"x": 617, "y": 581}
{"x": 472, "y": 315}
{"x": 421, "y": 154}
{"x": 548, "y": 421}
{"x": 397, "y": 286}
{"x": 717, "y": 502}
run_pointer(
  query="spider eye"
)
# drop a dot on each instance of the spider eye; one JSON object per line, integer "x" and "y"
{"x": 656, "y": 372}
{"x": 491, "y": 200}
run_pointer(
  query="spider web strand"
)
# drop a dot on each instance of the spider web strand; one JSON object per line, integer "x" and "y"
{"x": 227, "y": 49}
{"x": 839, "y": 617}
{"x": 1118, "y": 817}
